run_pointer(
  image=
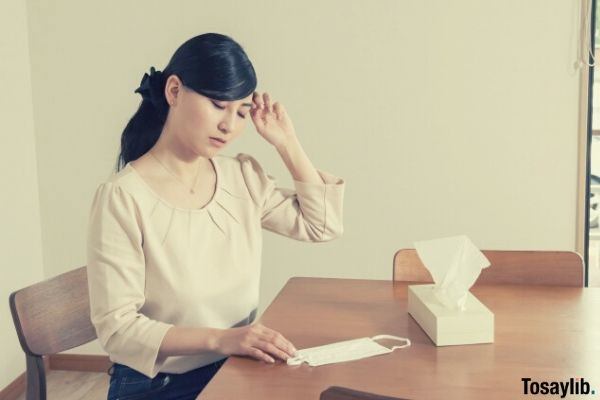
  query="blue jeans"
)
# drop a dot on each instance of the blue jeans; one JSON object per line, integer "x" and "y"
{"x": 128, "y": 384}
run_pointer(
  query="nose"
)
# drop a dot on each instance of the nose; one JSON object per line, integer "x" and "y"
{"x": 223, "y": 127}
{"x": 227, "y": 124}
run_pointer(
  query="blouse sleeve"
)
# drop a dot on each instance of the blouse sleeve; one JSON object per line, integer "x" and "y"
{"x": 312, "y": 212}
{"x": 116, "y": 280}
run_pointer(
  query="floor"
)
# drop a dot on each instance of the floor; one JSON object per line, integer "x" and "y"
{"x": 75, "y": 385}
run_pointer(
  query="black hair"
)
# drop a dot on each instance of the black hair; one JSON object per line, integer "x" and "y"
{"x": 211, "y": 64}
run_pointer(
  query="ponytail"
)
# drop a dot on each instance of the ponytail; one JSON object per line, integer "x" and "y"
{"x": 144, "y": 127}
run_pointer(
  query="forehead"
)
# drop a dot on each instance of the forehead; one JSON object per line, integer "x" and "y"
{"x": 246, "y": 101}
{"x": 240, "y": 102}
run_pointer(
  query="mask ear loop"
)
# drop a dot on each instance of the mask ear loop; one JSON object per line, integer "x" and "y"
{"x": 407, "y": 340}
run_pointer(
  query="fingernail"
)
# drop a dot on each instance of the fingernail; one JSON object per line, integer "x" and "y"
{"x": 271, "y": 361}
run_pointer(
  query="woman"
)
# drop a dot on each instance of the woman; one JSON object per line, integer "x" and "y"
{"x": 174, "y": 240}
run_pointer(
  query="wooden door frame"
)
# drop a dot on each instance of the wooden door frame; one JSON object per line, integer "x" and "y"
{"x": 586, "y": 76}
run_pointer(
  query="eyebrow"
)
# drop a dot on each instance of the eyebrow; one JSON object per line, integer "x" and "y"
{"x": 243, "y": 104}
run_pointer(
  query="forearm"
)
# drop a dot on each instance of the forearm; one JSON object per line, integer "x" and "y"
{"x": 298, "y": 163}
{"x": 253, "y": 340}
{"x": 181, "y": 341}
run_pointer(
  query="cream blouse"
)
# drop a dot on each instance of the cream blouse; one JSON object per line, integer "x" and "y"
{"x": 151, "y": 265}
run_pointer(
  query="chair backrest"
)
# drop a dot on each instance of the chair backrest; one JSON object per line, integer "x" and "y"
{"x": 53, "y": 315}
{"x": 553, "y": 268}
{"x": 342, "y": 393}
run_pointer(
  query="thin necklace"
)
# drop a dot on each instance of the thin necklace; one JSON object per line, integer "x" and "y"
{"x": 175, "y": 176}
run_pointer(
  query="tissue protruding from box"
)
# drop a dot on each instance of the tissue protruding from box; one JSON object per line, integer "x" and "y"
{"x": 474, "y": 324}
{"x": 455, "y": 263}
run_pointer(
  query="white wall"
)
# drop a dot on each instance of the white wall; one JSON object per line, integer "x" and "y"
{"x": 443, "y": 117}
{"x": 20, "y": 236}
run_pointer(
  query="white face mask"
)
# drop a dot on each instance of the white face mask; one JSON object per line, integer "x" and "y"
{"x": 345, "y": 351}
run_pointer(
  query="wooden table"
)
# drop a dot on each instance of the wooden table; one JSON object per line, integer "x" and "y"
{"x": 546, "y": 333}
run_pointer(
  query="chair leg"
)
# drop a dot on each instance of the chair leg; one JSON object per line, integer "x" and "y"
{"x": 36, "y": 378}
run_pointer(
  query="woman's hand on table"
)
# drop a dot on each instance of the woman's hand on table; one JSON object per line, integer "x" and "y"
{"x": 256, "y": 341}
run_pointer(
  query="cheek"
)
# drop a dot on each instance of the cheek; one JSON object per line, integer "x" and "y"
{"x": 198, "y": 120}
{"x": 240, "y": 127}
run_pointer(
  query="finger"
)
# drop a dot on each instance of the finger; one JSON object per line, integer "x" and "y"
{"x": 257, "y": 98}
{"x": 280, "y": 341}
{"x": 267, "y": 101}
{"x": 279, "y": 110}
{"x": 260, "y": 111}
{"x": 260, "y": 355}
{"x": 271, "y": 349}
{"x": 257, "y": 118}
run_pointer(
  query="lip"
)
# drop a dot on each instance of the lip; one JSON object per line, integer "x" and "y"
{"x": 217, "y": 141}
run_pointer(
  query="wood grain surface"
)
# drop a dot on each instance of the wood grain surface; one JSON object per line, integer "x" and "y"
{"x": 542, "y": 332}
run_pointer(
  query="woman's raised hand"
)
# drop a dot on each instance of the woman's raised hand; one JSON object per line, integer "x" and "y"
{"x": 271, "y": 120}
{"x": 256, "y": 341}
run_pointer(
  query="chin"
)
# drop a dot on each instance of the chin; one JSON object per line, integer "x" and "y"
{"x": 209, "y": 152}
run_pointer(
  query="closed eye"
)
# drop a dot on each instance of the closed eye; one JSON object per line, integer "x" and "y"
{"x": 218, "y": 106}
{"x": 222, "y": 108}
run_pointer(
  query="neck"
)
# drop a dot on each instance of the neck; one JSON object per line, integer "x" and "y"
{"x": 178, "y": 158}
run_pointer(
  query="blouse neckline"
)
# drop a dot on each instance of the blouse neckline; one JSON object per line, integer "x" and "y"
{"x": 167, "y": 203}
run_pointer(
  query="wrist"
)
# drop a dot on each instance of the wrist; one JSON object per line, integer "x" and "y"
{"x": 214, "y": 339}
{"x": 180, "y": 341}
{"x": 288, "y": 145}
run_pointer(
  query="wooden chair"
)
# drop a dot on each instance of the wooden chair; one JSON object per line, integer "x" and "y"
{"x": 50, "y": 317}
{"x": 342, "y": 393}
{"x": 553, "y": 268}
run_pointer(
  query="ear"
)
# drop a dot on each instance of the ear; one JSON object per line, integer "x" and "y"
{"x": 173, "y": 88}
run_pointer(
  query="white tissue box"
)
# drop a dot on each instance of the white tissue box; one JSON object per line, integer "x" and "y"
{"x": 450, "y": 327}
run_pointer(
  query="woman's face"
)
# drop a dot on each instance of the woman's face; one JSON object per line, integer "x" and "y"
{"x": 204, "y": 125}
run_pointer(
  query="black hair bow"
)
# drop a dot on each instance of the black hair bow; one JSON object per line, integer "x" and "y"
{"x": 151, "y": 88}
